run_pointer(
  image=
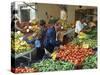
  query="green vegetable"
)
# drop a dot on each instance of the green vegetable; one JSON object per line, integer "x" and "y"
{"x": 92, "y": 33}
{"x": 92, "y": 42}
{"x": 76, "y": 41}
{"x": 90, "y": 62}
{"x": 51, "y": 65}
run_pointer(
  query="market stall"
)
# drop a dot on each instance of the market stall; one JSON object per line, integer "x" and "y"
{"x": 54, "y": 42}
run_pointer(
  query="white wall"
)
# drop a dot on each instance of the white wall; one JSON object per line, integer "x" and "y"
{"x": 71, "y": 14}
{"x": 52, "y": 10}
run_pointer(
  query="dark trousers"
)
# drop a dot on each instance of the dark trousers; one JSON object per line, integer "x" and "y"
{"x": 40, "y": 53}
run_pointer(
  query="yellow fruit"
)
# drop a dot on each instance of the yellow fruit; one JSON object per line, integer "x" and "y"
{"x": 82, "y": 35}
{"x": 53, "y": 55}
{"x": 85, "y": 46}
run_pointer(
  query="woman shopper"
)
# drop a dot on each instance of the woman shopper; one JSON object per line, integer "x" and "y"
{"x": 39, "y": 41}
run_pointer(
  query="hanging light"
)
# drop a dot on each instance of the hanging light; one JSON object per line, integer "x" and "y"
{"x": 80, "y": 6}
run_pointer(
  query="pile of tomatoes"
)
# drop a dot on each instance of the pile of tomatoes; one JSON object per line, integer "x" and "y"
{"x": 23, "y": 70}
{"x": 74, "y": 53}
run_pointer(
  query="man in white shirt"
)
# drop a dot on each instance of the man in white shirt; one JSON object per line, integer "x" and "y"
{"x": 80, "y": 25}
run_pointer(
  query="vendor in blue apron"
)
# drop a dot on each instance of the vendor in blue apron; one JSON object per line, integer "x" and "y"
{"x": 50, "y": 37}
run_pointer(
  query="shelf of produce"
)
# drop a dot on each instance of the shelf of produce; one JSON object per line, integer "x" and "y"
{"x": 24, "y": 54}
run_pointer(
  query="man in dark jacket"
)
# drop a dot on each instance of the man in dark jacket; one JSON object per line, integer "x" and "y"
{"x": 50, "y": 39}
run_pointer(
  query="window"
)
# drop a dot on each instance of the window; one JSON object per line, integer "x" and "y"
{"x": 27, "y": 12}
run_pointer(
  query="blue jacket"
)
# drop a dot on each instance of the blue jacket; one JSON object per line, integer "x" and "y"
{"x": 50, "y": 39}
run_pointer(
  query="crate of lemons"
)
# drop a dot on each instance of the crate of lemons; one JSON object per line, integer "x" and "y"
{"x": 18, "y": 45}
